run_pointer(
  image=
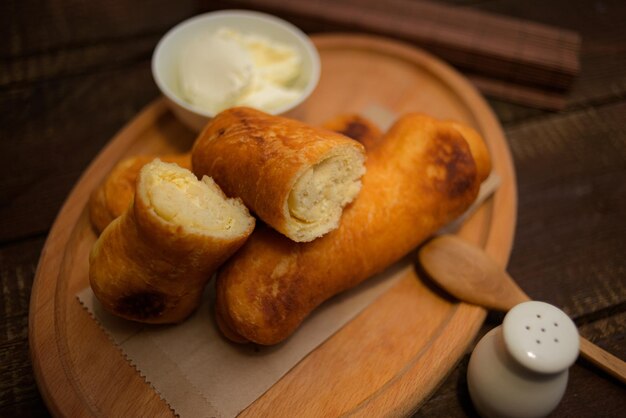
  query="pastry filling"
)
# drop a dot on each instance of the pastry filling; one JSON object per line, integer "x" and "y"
{"x": 178, "y": 197}
{"x": 321, "y": 192}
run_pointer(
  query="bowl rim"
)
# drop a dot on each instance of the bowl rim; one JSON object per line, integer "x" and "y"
{"x": 305, "y": 40}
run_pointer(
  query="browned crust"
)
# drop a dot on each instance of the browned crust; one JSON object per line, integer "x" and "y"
{"x": 114, "y": 195}
{"x": 148, "y": 270}
{"x": 478, "y": 147}
{"x": 421, "y": 177}
{"x": 356, "y": 127}
{"x": 259, "y": 157}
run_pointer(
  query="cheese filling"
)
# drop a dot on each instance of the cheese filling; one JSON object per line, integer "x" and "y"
{"x": 176, "y": 196}
{"x": 320, "y": 194}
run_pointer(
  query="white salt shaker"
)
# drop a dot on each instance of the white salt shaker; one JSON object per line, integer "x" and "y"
{"x": 520, "y": 368}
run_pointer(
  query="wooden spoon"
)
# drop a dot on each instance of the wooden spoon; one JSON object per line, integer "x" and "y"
{"x": 470, "y": 275}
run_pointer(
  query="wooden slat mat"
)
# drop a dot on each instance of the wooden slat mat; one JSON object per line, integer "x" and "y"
{"x": 515, "y": 60}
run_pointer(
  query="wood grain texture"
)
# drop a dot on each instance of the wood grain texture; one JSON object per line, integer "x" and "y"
{"x": 41, "y": 177}
{"x": 103, "y": 57}
{"x": 602, "y": 59}
{"x": 48, "y": 46}
{"x": 33, "y": 26}
{"x": 17, "y": 270}
{"x": 84, "y": 397}
{"x": 401, "y": 357}
{"x": 399, "y": 361}
{"x": 571, "y": 212}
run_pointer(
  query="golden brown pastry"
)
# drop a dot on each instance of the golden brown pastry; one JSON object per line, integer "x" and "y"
{"x": 295, "y": 177}
{"x": 115, "y": 193}
{"x": 356, "y": 127}
{"x": 152, "y": 263}
{"x": 418, "y": 179}
{"x": 478, "y": 147}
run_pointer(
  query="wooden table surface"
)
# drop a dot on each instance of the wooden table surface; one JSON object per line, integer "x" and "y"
{"x": 73, "y": 73}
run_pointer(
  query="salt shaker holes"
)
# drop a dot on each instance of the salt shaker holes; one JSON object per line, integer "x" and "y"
{"x": 541, "y": 337}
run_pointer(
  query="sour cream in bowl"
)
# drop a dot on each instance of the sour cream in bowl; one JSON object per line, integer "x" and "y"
{"x": 234, "y": 58}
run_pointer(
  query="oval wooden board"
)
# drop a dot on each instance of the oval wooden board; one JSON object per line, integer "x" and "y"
{"x": 384, "y": 362}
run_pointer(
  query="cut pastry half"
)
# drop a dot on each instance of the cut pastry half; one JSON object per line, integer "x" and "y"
{"x": 295, "y": 177}
{"x": 113, "y": 196}
{"x": 151, "y": 264}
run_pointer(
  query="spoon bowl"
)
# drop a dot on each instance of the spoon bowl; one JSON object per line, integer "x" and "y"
{"x": 470, "y": 275}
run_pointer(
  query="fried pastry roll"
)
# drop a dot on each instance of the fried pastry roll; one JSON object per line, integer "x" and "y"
{"x": 113, "y": 196}
{"x": 152, "y": 263}
{"x": 356, "y": 127}
{"x": 422, "y": 176}
{"x": 295, "y": 177}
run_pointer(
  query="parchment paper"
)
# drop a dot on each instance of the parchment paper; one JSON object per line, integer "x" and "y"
{"x": 201, "y": 374}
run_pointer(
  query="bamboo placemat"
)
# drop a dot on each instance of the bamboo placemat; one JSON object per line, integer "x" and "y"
{"x": 511, "y": 59}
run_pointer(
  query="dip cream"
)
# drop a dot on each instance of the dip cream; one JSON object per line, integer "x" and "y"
{"x": 227, "y": 68}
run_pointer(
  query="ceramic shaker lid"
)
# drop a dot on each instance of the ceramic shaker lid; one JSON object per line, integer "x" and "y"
{"x": 540, "y": 337}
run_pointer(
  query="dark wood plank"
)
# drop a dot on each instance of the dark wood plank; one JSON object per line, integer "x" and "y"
{"x": 608, "y": 333}
{"x": 89, "y": 59}
{"x": 27, "y": 409}
{"x": 17, "y": 383}
{"x": 18, "y": 262}
{"x": 52, "y": 131}
{"x": 511, "y": 113}
{"x": 18, "y": 390}
{"x": 603, "y": 61}
{"x": 35, "y": 26}
{"x": 572, "y": 199}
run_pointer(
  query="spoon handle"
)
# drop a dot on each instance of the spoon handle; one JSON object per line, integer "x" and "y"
{"x": 603, "y": 359}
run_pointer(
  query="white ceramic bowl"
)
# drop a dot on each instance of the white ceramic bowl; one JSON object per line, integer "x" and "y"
{"x": 166, "y": 57}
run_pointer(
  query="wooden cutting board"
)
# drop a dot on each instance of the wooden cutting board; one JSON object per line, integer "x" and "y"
{"x": 386, "y": 361}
